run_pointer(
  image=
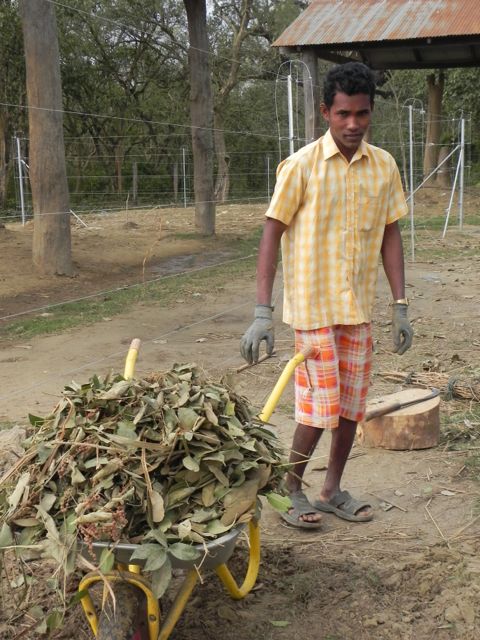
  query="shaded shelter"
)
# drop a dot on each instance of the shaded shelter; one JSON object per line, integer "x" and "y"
{"x": 384, "y": 34}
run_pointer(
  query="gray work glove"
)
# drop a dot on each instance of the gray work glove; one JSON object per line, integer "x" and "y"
{"x": 401, "y": 328}
{"x": 260, "y": 329}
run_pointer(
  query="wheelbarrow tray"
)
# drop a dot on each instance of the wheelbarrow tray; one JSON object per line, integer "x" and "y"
{"x": 211, "y": 555}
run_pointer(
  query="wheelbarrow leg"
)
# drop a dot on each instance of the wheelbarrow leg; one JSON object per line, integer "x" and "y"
{"x": 179, "y": 604}
{"x": 133, "y": 578}
{"x": 225, "y": 575}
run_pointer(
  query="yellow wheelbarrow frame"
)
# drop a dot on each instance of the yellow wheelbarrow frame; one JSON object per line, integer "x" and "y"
{"x": 131, "y": 573}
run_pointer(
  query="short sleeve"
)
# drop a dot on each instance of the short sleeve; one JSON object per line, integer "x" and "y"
{"x": 288, "y": 193}
{"x": 397, "y": 205}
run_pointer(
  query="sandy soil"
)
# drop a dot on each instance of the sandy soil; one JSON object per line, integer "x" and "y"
{"x": 413, "y": 572}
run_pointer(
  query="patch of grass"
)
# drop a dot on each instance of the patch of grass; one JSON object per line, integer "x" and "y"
{"x": 446, "y": 252}
{"x": 166, "y": 289}
{"x": 462, "y": 431}
{"x": 438, "y": 222}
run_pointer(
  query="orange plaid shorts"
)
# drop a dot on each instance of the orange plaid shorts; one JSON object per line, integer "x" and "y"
{"x": 333, "y": 381}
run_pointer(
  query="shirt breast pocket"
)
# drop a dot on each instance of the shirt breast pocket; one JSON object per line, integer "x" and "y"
{"x": 370, "y": 205}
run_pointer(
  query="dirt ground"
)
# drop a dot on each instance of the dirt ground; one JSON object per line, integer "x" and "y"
{"x": 413, "y": 572}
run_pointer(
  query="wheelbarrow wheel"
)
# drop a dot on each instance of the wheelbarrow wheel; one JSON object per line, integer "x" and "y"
{"x": 121, "y": 618}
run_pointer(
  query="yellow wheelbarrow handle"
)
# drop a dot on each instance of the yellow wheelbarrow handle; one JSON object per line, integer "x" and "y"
{"x": 131, "y": 359}
{"x": 274, "y": 397}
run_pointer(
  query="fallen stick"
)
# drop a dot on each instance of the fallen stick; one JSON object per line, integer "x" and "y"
{"x": 254, "y": 364}
{"x": 436, "y": 525}
{"x": 397, "y": 506}
{"x": 465, "y": 527}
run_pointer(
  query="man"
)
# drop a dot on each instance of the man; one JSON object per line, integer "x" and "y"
{"x": 335, "y": 210}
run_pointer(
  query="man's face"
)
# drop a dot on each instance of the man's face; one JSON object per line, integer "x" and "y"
{"x": 348, "y": 119}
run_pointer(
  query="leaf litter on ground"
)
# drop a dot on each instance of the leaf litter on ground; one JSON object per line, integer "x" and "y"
{"x": 169, "y": 463}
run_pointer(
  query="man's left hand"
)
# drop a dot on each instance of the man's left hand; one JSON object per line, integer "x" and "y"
{"x": 401, "y": 328}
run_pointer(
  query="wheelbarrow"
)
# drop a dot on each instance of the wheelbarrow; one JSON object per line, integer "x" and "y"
{"x": 134, "y": 613}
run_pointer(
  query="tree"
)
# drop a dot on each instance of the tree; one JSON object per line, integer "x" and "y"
{"x": 51, "y": 237}
{"x": 201, "y": 114}
{"x": 12, "y": 85}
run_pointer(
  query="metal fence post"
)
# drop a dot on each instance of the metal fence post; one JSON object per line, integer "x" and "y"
{"x": 462, "y": 172}
{"x": 290, "y": 115}
{"x": 412, "y": 186}
{"x": 184, "y": 178}
{"x": 20, "y": 179}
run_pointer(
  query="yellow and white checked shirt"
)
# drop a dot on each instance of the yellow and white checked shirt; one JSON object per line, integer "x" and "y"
{"x": 336, "y": 214}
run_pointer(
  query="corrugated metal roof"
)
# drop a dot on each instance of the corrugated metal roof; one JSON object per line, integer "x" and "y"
{"x": 335, "y": 22}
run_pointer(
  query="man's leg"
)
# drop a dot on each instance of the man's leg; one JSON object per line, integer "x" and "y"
{"x": 305, "y": 440}
{"x": 342, "y": 442}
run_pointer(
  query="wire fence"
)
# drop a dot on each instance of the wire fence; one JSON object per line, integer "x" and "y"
{"x": 154, "y": 167}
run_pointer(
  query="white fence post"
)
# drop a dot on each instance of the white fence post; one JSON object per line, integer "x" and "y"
{"x": 412, "y": 186}
{"x": 20, "y": 179}
{"x": 184, "y": 171}
{"x": 290, "y": 115}
{"x": 268, "y": 177}
{"x": 462, "y": 172}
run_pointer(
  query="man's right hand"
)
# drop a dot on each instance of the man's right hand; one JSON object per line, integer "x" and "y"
{"x": 260, "y": 329}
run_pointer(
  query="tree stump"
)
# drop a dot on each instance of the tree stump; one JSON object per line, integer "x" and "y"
{"x": 414, "y": 427}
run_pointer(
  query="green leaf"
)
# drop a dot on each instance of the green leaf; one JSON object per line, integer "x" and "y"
{"x": 47, "y": 501}
{"x": 208, "y": 494}
{"x": 229, "y": 408}
{"x": 279, "y": 623}
{"x": 26, "y": 522}
{"x": 187, "y": 418}
{"x": 278, "y": 502}
{"x": 15, "y": 497}
{"x": 210, "y": 414}
{"x": 116, "y": 391}
{"x": 107, "y": 560}
{"x": 218, "y": 473}
{"x": 77, "y": 476}
{"x": 216, "y": 528}
{"x": 77, "y": 596}
{"x": 126, "y": 429}
{"x": 178, "y": 495}
{"x": 43, "y": 452}
{"x": 153, "y": 554}
{"x": 184, "y": 529}
{"x": 54, "y": 620}
{"x": 235, "y": 427}
{"x": 184, "y": 551}
{"x": 160, "y": 579}
{"x": 6, "y": 538}
{"x": 35, "y": 421}
{"x": 95, "y": 462}
{"x": 215, "y": 457}
{"x": 203, "y": 515}
{"x": 190, "y": 463}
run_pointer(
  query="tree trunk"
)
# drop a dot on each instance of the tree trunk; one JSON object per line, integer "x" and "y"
{"x": 434, "y": 125}
{"x": 222, "y": 185}
{"x": 48, "y": 177}
{"x": 3, "y": 159}
{"x": 444, "y": 178}
{"x": 201, "y": 114}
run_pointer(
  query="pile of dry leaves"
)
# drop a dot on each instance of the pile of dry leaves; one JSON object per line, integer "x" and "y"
{"x": 168, "y": 463}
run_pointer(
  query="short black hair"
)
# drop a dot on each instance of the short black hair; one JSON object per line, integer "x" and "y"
{"x": 350, "y": 78}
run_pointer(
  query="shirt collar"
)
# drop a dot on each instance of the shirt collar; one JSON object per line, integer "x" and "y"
{"x": 330, "y": 148}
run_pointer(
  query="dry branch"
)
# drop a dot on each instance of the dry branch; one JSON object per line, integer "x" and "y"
{"x": 451, "y": 386}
